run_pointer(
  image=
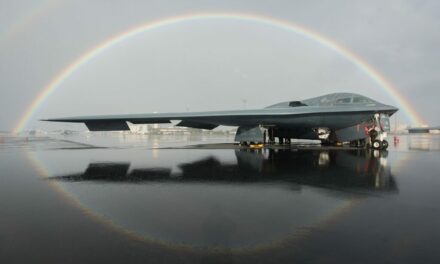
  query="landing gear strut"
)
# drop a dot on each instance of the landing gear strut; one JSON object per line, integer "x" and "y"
{"x": 271, "y": 136}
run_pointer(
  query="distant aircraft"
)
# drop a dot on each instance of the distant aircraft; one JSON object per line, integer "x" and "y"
{"x": 413, "y": 130}
{"x": 332, "y": 118}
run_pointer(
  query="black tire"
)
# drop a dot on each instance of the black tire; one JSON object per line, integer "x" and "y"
{"x": 385, "y": 144}
{"x": 326, "y": 143}
{"x": 377, "y": 144}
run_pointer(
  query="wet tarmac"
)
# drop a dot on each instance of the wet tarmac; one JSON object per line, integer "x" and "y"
{"x": 178, "y": 199}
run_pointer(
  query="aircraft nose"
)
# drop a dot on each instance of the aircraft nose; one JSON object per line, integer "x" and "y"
{"x": 392, "y": 109}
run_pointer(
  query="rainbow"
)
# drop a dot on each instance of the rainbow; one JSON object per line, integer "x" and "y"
{"x": 64, "y": 74}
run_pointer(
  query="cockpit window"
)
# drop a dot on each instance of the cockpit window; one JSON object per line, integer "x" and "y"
{"x": 324, "y": 100}
{"x": 345, "y": 100}
{"x": 359, "y": 99}
{"x": 339, "y": 99}
{"x": 296, "y": 103}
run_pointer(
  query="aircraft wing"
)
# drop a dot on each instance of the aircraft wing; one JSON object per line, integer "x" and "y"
{"x": 201, "y": 120}
{"x": 293, "y": 117}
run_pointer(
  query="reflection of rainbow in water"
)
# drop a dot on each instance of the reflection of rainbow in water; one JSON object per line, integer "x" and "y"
{"x": 301, "y": 233}
{"x": 44, "y": 174}
{"x": 288, "y": 26}
{"x": 424, "y": 142}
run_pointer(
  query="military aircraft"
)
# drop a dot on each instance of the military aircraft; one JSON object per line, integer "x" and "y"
{"x": 331, "y": 118}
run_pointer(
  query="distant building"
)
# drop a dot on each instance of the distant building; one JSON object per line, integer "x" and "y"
{"x": 413, "y": 130}
{"x": 158, "y": 129}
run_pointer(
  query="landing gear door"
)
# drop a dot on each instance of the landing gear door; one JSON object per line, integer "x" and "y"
{"x": 249, "y": 134}
{"x": 384, "y": 120}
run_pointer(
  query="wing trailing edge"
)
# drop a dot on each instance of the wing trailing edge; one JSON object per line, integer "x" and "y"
{"x": 107, "y": 125}
{"x": 198, "y": 125}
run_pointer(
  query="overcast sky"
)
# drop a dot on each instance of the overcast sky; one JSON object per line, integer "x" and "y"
{"x": 215, "y": 64}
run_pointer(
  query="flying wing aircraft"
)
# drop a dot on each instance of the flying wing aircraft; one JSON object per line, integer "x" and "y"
{"x": 331, "y": 118}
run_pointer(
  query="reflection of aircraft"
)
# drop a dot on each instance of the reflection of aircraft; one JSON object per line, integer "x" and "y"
{"x": 342, "y": 169}
{"x": 330, "y": 118}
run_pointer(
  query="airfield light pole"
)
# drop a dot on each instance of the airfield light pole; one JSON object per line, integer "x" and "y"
{"x": 244, "y": 101}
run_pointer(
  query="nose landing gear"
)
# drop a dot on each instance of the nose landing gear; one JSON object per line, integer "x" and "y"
{"x": 384, "y": 144}
{"x": 378, "y": 135}
{"x": 379, "y": 144}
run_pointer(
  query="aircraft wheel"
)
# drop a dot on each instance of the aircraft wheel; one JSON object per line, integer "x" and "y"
{"x": 385, "y": 144}
{"x": 326, "y": 143}
{"x": 377, "y": 144}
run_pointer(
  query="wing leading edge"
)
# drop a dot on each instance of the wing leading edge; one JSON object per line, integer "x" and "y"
{"x": 291, "y": 117}
{"x": 200, "y": 120}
